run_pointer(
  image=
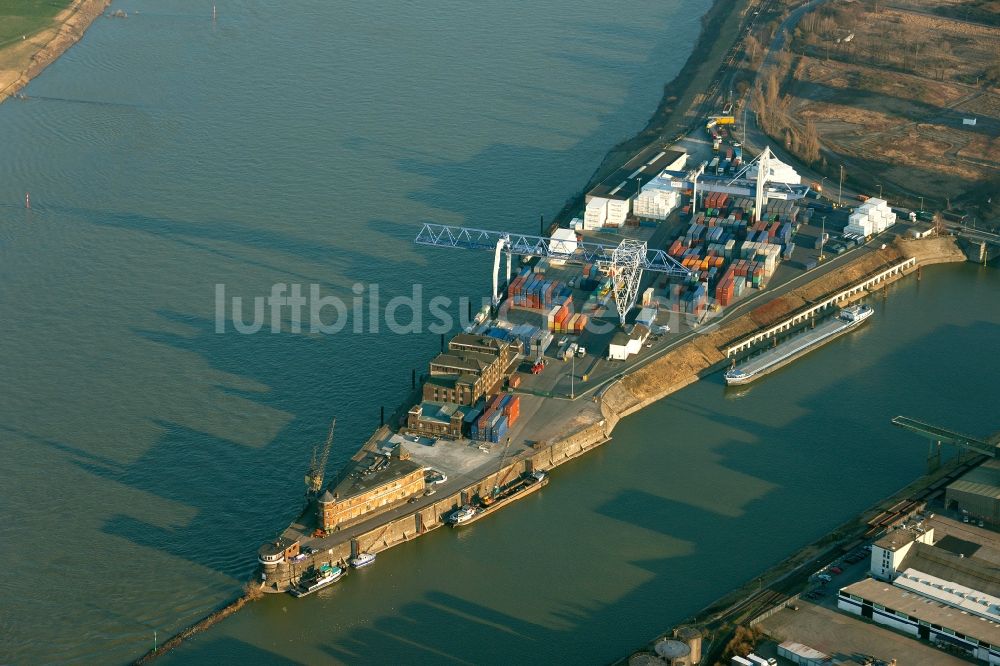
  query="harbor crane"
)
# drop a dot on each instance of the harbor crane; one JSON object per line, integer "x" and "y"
{"x": 763, "y": 163}
{"x": 317, "y": 466}
{"x": 624, "y": 262}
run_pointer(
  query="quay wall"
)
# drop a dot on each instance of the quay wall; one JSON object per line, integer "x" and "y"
{"x": 664, "y": 376}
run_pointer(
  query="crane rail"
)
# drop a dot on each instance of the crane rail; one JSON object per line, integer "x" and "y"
{"x": 442, "y": 235}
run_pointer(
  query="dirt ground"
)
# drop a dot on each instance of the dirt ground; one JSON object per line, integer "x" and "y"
{"x": 888, "y": 92}
{"x": 23, "y": 59}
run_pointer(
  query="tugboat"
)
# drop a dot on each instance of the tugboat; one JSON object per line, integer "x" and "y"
{"x": 327, "y": 575}
{"x": 362, "y": 560}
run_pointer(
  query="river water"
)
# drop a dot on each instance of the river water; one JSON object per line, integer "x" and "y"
{"x": 146, "y": 456}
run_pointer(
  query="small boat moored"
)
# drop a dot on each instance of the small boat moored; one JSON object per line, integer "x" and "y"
{"x": 362, "y": 560}
{"x": 463, "y": 515}
{"x": 327, "y": 575}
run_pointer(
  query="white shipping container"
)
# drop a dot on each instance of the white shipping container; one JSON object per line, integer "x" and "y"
{"x": 596, "y": 213}
{"x": 618, "y": 210}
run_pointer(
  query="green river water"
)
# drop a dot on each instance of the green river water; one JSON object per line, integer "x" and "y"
{"x": 146, "y": 456}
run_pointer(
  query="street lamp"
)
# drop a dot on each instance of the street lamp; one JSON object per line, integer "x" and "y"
{"x": 880, "y": 190}
{"x": 572, "y": 377}
{"x": 840, "y": 192}
{"x": 822, "y": 238}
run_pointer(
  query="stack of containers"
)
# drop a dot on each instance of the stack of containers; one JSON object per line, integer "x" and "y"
{"x": 512, "y": 409}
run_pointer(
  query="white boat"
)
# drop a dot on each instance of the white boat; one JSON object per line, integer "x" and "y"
{"x": 326, "y": 576}
{"x": 786, "y": 352}
{"x": 362, "y": 560}
{"x": 463, "y": 515}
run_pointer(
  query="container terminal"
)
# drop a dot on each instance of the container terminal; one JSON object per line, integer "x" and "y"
{"x": 664, "y": 249}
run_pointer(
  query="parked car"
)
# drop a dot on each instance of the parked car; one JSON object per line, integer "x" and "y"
{"x": 826, "y": 578}
{"x": 836, "y": 570}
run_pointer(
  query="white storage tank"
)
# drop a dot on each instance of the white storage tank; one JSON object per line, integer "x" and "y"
{"x": 645, "y": 659}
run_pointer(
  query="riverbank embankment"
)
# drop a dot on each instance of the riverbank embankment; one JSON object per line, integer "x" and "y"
{"x": 26, "y": 58}
{"x": 683, "y": 365}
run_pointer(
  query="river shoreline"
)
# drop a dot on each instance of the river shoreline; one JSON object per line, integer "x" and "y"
{"x": 30, "y": 57}
{"x": 719, "y": 29}
{"x": 673, "y": 116}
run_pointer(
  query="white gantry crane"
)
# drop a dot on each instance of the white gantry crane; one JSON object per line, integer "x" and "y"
{"x": 763, "y": 165}
{"x": 624, "y": 262}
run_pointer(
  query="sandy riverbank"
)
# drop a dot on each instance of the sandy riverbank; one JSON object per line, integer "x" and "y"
{"x": 23, "y": 60}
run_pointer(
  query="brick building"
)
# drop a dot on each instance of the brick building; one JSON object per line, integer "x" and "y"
{"x": 376, "y": 484}
{"x": 473, "y": 367}
{"x": 436, "y": 419}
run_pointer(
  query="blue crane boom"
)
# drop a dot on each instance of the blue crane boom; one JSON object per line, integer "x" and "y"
{"x": 442, "y": 235}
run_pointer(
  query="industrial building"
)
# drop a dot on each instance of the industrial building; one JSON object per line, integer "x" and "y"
{"x": 978, "y": 492}
{"x": 473, "y": 367}
{"x": 376, "y": 483}
{"x": 927, "y": 617}
{"x": 936, "y": 579}
{"x": 438, "y": 419}
{"x": 889, "y": 552}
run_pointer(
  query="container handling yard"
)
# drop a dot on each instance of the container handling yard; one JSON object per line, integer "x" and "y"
{"x": 678, "y": 264}
{"x": 663, "y": 248}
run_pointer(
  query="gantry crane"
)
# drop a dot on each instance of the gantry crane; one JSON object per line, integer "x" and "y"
{"x": 317, "y": 466}
{"x": 624, "y": 262}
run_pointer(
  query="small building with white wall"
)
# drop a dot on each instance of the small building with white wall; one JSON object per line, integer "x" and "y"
{"x": 624, "y": 344}
{"x": 889, "y": 551}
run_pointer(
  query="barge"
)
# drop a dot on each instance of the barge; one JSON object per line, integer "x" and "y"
{"x": 524, "y": 485}
{"x": 847, "y": 320}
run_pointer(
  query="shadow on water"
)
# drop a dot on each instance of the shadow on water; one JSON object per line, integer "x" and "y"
{"x": 198, "y": 234}
{"x": 219, "y": 479}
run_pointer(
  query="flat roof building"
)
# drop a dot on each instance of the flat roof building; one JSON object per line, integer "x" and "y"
{"x": 922, "y": 617}
{"x": 889, "y": 552}
{"x": 622, "y": 183}
{"x": 437, "y": 419}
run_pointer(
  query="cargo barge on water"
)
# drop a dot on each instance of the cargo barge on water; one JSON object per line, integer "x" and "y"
{"x": 848, "y": 319}
{"x": 524, "y": 485}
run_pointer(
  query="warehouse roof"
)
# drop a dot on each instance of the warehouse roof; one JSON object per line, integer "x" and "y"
{"x": 482, "y": 341}
{"x": 983, "y": 480}
{"x": 973, "y": 572}
{"x": 645, "y": 166}
{"x": 356, "y": 483}
{"x": 921, "y": 608}
{"x": 474, "y": 362}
